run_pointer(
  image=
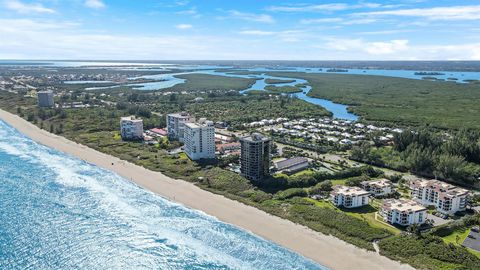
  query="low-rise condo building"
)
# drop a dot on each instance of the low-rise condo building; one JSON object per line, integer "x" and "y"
{"x": 447, "y": 199}
{"x": 45, "y": 99}
{"x": 199, "y": 139}
{"x": 255, "y": 157}
{"x": 292, "y": 165}
{"x": 380, "y": 187}
{"x": 176, "y": 125}
{"x": 349, "y": 197}
{"x": 131, "y": 128}
{"x": 403, "y": 212}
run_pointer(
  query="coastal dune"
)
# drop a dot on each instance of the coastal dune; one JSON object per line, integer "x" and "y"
{"x": 326, "y": 250}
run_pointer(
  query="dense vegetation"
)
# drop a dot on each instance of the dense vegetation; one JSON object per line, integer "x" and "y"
{"x": 424, "y": 151}
{"x": 398, "y": 100}
{"x": 428, "y": 252}
{"x": 258, "y": 109}
{"x": 283, "y": 89}
{"x": 454, "y": 157}
{"x": 207, "y": 82}
{"x": 277, "y": 81}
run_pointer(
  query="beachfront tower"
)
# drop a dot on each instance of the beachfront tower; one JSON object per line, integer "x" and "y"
{"x": 45, "y": 99}
{"x": 176, "y": 125}
{"x": 255, "y": 157}
{"x": 199, "y": 139}
{"x": 131, "y": 128}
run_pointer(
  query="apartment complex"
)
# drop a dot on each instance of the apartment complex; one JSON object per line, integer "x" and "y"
{"x": 403, "y": 212}
{"x": 45, "y": 99}
{"x": 176, "y": 125}
{"x": 199, "y": 139}
{"x": 255, "y": 156}
{"x": 380, "y": 187}
{"x": 447, "y": 199}
{"x": 131, "y": 128}
{"x": 349, "y": 197}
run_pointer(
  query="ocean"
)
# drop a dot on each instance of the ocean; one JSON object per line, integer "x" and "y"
{"x": 60, "y": 212}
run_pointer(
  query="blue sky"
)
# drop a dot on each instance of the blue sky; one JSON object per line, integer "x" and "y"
{"x": 241, "y": 29}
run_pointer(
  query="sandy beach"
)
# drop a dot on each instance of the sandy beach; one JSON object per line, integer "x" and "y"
{"x": 326, "y": 250}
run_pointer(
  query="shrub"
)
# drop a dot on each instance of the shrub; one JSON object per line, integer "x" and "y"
{"x": 290, "y": 193}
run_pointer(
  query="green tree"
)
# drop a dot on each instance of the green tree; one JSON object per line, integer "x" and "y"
{"x": 450, "y": 167}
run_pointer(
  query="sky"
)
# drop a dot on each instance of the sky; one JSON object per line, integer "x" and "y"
{"x": 240, "y": 30}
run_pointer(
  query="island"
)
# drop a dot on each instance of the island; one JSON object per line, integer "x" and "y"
{"x": 428, "y": 73}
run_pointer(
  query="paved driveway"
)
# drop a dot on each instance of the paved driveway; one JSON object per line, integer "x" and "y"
{"x": 437, "y": 221}
{"x": 473, "y": 243}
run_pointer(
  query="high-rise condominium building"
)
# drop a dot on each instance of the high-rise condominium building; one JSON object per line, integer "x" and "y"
{"x": 45, "y": 99}
{"x": 199, "y": 139}
{"x": 176, "y": 125}
{"x": 255, "y": 157}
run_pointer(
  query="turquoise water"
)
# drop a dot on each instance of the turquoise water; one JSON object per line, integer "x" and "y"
{"x": 59, "y": 212}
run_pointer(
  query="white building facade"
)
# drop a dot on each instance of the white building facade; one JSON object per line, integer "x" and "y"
{"x": 199, "y": 139}
{"x": 349, "y": 197}
{"x": 131, "y": 128}
{"x": 403, "y": 212}
{"x": 176, "y": 125}
{"x": 378, "y": 188}
{"x": 447, "y": 199}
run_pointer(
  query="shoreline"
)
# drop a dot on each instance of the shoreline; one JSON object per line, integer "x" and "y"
{"x": 323, "y": 249}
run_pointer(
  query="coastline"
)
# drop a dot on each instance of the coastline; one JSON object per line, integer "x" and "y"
{"x": 326, "y": 250}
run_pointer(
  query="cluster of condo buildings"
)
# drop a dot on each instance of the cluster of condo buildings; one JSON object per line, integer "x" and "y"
{"x": 445, "y": 198}
{"x": 199, "y": 137}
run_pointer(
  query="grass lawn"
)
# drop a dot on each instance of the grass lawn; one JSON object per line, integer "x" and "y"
{"x": 322, "y": 203}
{"x": 304, "y": 172}
{"x": 460, "y": 235}
{"x": 367, "y": 213}
{"x": 452, "y": 238}
{"x": 339, "y": 182}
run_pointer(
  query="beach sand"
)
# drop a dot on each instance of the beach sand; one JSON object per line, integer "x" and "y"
{"x": 326, "y": 250}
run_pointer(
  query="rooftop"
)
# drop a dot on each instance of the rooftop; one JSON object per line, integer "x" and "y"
{"x": 201, "y": 123}
{"x": 287, "y": 163}
{"x": 439, "y": 186}
{"x": 131, "y": 118}
{"x": 380, "y": 183}
{"x": 403, "y": 205}
{"x": 349, "y": 191}
{"x": 180, "y": 115}
{"x": 256, "y": 137}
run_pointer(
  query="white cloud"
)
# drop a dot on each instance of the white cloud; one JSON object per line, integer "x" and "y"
{"x": 371, "y": 48}
{"x": 183, "y": 26}
{"x": 53, "y": 39}
{"x": 339, "y": 21}
{"x": 23, "y": 8}
{"x": 331, "y": 7}
{"x": 190, "y": 11}
{"x": 263, "y": 18}
{"x": 321, "y": 20}
{"x": 384, "y": 32}
{"x": 453, "y": 13}
{"x": 95, "y": 4}
{"x": 257, "y": 33}
{"x": 310, "y": 8}
{"x": 286, "y": 35}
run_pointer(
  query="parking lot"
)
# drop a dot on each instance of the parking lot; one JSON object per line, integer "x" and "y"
{"x": 472, "y": 241}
